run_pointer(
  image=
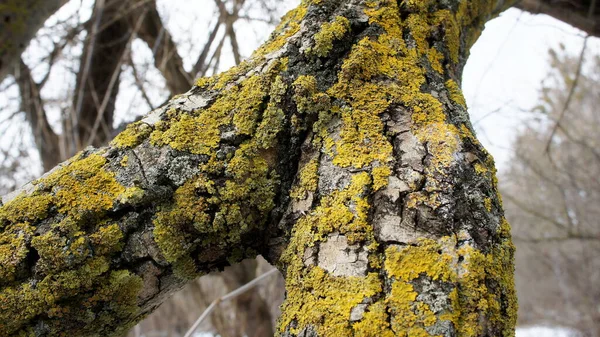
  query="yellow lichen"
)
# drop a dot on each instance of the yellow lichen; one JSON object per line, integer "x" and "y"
{"x": 13, "y": 250}
{"x": 308, "y": 180}
{"x": 107, "y": 239}
{"x": 455, "y": 93}
{"x": 26, "y": 208}
{"x": 328, "y": 34}
{"x": 199, "y": 135}
{"x": 344, "y": 212}
{"x": 84, "y": 187}
{"x": 132, "y": 136}
{"x": 124, "y": 161}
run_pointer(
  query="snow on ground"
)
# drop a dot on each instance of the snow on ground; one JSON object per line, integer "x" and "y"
{"x": 539, "y": 331}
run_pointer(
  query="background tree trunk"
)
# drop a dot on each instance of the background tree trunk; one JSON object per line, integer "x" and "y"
{"x": 20, "y": 21}
{"x": 341, "y": 151}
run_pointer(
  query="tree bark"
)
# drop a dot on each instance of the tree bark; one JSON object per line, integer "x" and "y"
{"x": 581, "y": 14}
{"x": 46, "y": 140}
{"x": 19, "y": 22}
{"x": 341, "y": 151}
{"x": 97, "y": 84}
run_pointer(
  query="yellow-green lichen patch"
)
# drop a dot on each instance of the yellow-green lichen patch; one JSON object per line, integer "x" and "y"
{"x": 252, "y": 188}
{"x": 120, "y": 294}
{"x": 107, "y": 239}
{"x": 247, "y": 103}
{"x": 273, "y": 117}
{"x": 174, "y": 225}
{"x": 328, "y": 34}
{"x": 197, "y": 135}
{"x": 13, "y": 249}
{"x": 26, "y": 208}
{"x": 238, "y": 205}
{"x": 375, "y": 322}
{"x": 124, "y": 161}
{"x": 472, "y": 299}
{"x": 240, "y": 104}
{"x": 417, "y": 5}
{"x": 476, "y": 299}
{"x": 18, "y": 304}
{"x": 330, "y": 298}
{"x": 58, "y": 252}
{"x": 84, "y": 187}
{"x": 427, "y": 258}
{"x": 443, "y": 143}
{"x": 380, "y": 176}
{"x": 132, "y": 136}
{"x": 132, "y": 196}
{"x": 185, "y": 268}
{"x": 307, "y": 98}
{"x": 430, "y": 259}
{"x": 326, "y": 301}
{"x": 455, "y": 93}
{"x": 289, "y": 25}
{"x": 309, "y": 179}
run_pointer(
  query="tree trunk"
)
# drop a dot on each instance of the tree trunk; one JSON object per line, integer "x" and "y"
{"x": 97, "y": 85}
{"x": 19, "y": 22}
{"x": 341, "y": 151}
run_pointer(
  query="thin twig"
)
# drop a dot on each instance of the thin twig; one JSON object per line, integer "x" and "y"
{"x": 227, "y": 297}
{"x": 569, "y": 97}
{"x": 113, "y": 80}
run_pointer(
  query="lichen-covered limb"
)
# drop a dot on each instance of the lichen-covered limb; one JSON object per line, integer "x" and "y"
{"x": 397, "y": 226}
{"x": 101, "y": 240}
{"x": 341, "y": 151}
{"x": 19, "y": 22}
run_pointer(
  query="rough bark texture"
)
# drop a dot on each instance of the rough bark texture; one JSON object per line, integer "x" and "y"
{"x": 341, "y": 151}
{"x": 19, "y": 21}
{"x": 582, "y": 14}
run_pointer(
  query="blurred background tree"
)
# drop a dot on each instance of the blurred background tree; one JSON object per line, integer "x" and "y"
{"x": 551, "y": 193}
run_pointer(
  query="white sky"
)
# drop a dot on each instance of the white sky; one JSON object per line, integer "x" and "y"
{"x": 501, "y": 79}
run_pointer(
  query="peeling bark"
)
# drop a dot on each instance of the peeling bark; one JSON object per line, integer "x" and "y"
{"x": 341, "y": 151}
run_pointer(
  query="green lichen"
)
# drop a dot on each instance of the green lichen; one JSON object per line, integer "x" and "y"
{"x": 330, "y": 298}
{"x": 13, "y": 250}
{"x": 84, "y": 188}
{"x": 20, "y": 303}
{"x": 185, "y": 268}
{"x": 132, "y": 196}
{"x": 108, "y": 239}
{"x": 125, "y": 161}
{"x": 132, "y": 136}
{"x": 328, "y": 34}
{"x": 26, "y": 208}
{"x": 455, "y": 93}
{"x": 58, "y": 252}
{"x": 308, "y": 180}
{"x": 199, "y": 135}
{"x": 174, "y": 224}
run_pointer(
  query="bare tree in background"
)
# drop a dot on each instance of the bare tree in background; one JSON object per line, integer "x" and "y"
{"x": 552, "y": 198}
